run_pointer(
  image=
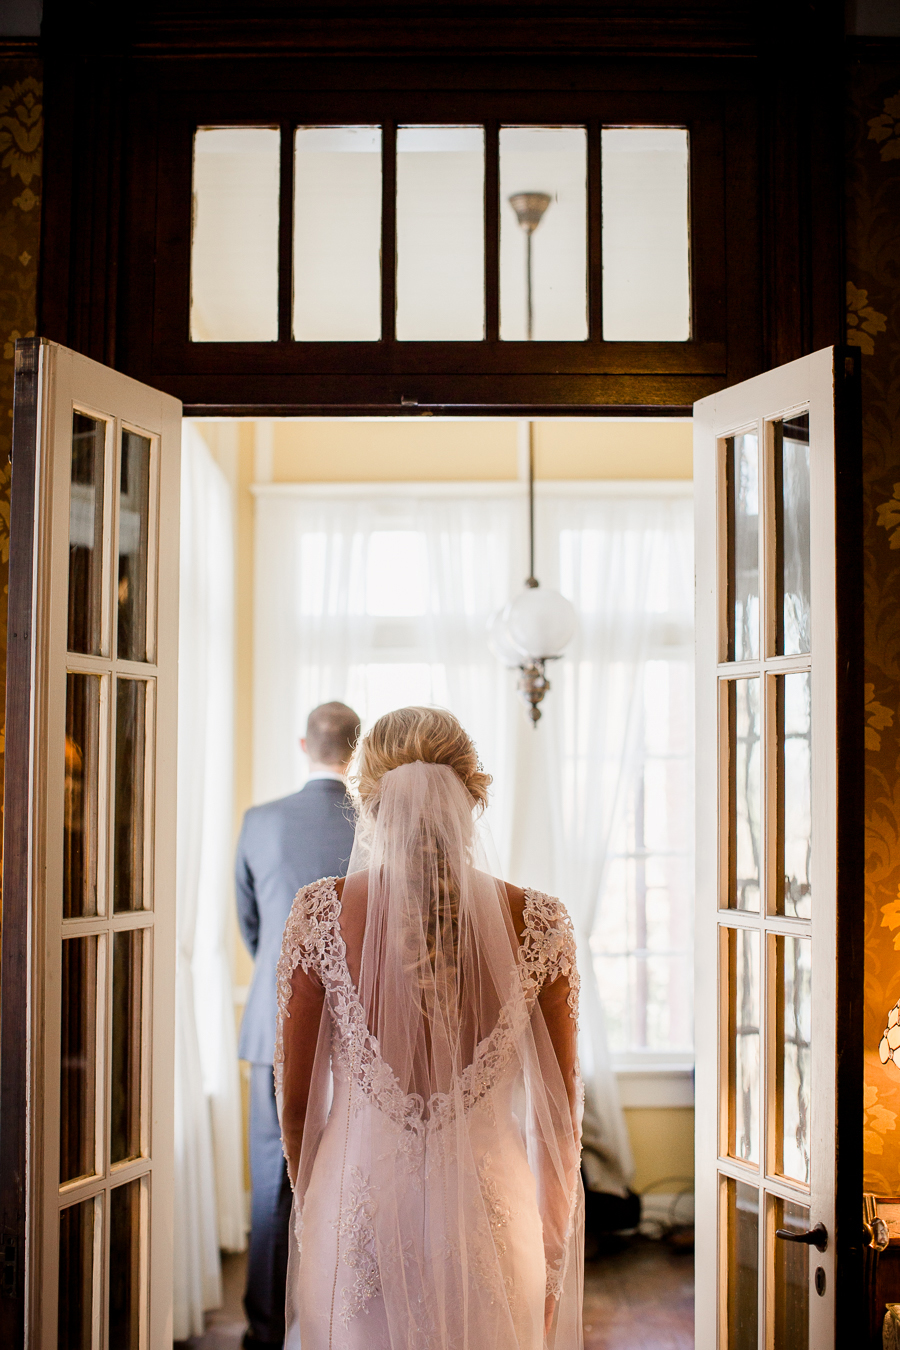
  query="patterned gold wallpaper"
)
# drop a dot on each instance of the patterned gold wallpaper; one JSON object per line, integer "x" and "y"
{"x": 873, "y": 324}
{"x": 21, "y": 144}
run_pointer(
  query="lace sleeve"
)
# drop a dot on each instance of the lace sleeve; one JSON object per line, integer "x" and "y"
{"x": 549, "y": 953}
{"x": 548, "y": 947}
{"x": 301, "y": 997}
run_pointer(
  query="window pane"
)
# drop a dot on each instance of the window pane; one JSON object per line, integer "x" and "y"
{"x": 793, "y": 737}
{"x": 742, "y": 1226}
{"x": 792, "y": 580}
{"x": 791, "y": 1278}
{"x": 440, "y": 233}
{"x": 78, "y": 1237}
{"x": 397, "y": 573}
{"x": 646, "y": 258}
{"x": 81, "y": 814}
{"x": 744, "y": 795}
{"x": 125, "y": 1267}
{"x": 793, "y": 992}
{"x": 548, "y": 166}
{"x": 131, "y": 726}
{"x": 743, "y": 1043}
{"x": 78, "y": 1056}
{"x": 742, "y": 507}
{"x": 337, "y": 234}
{"x": 234, "y": 248}
{"x": 86, "y": 535}
{"x": 125, "y": 1105}
{"x": 134, "y": 533}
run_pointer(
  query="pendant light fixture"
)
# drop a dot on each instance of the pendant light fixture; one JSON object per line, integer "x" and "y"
{"x": 533, "y": 628}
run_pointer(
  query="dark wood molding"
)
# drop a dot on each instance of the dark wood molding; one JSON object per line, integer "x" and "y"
{"x": 766, "y": 195}
{"x": 19, "y": 49}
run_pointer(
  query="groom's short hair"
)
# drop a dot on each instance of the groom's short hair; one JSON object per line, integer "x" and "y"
{"x": 332, "y": 731}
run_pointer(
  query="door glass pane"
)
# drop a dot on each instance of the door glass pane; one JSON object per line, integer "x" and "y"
{"x": 744, "y": 794}
{"x": 86, "y": 535}
{"x": 134, "y": 534}
{"x": 791, "y": 1279}
{"x": 543, "y": 226}
{"x": 440, "y": 233}
{"x": 78, "y": 1237}
{"x": 793, "y": 1006}
{"x": 234, "y": 245}
{"x": 646, "y": 252}
{"x": 125, "y": 1266}
{"x": 793, "y": 739}
{"x": 742, "y": 1227}
{"x": 131, "y": 730}
{"x": 337, "y": 234}
{"x": 78, "y": 1058}
{"x": 81, "y": 808}
{"x": 742, "y": 506}
{"x": 792, "y": 581}
{"x": 743, "y": 1043}
{"x": 125, "y": 1105}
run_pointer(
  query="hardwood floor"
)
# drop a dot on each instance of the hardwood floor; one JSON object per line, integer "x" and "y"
{"x": 639, "y": 1298}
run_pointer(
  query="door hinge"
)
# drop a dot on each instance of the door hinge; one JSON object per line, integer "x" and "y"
{"x": 9, "y": 1265}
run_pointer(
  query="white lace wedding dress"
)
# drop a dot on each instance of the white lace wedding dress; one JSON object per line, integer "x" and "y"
{"x": 442, "y": 1222}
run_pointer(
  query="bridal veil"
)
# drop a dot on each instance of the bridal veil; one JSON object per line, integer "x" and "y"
{"x": 427, "y": 1075}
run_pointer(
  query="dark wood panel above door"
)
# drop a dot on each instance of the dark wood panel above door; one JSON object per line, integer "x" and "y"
{"x": 120, "y": 122}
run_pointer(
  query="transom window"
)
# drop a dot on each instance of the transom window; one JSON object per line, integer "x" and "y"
{"x": 440, "y": 233}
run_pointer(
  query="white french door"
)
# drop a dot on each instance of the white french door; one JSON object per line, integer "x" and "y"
{"x": 91, "y": 871}
{"x": 771, "y": 921}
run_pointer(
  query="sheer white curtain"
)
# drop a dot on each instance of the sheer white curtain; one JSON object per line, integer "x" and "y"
{"x": 625, "y": 561}
{"x": 334, "y": 621}
{"x": 379, "y": 598}
{"x": 209, "y": 1200}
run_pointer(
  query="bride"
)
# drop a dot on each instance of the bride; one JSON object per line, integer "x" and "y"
{"x": 427, "y": 1076}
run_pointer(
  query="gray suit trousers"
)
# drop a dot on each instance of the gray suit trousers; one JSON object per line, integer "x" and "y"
{"x": 270, "y": 1215}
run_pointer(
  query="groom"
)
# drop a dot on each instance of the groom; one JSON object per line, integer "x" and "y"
{"x": 284, "y": 845}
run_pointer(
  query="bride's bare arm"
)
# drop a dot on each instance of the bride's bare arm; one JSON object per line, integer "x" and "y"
{"x": 300, "y": 1037}
{"x": 562, "y": 1027}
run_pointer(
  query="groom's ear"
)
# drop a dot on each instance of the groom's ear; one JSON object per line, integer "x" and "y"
{"x": 303, "y": 745}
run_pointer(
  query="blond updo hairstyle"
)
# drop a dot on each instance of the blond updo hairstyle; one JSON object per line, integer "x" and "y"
{"x": 407, "y": 735}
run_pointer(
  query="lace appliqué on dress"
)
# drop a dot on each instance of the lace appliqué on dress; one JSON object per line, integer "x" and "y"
{"x": 548, "y": 946}
{"x": 357, "y": 1223}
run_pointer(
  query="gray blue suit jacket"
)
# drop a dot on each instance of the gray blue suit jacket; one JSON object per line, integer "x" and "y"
{"x": 283, "y": 845}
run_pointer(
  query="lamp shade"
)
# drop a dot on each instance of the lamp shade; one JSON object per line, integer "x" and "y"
{"x": 500, "y": 642}
{"x": 541, "y": 622}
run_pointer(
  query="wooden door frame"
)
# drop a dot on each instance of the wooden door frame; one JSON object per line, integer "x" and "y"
{"x": 845, "y": 945}
{"x": 30, "y": 1197}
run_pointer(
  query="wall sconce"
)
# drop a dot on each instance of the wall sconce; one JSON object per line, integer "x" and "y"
{"x": 889, "y": 1047}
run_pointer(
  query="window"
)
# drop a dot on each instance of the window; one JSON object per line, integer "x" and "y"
{"x": 643, "y": 937}
{"x": 381, "y": 597}
{"x": 431, "y": 265}
{"x": 234, "y": 264}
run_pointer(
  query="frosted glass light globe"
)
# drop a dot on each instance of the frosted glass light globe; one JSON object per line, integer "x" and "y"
{"x": 541, "y": 622}
{"x": 499, "y": 640}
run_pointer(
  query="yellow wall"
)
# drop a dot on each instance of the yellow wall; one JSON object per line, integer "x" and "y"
{"x": 429, "y": 450}
{"x": 662, "y": 1140}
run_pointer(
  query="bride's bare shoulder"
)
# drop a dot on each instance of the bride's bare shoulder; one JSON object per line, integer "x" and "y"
{"x": 515, "y": 898}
